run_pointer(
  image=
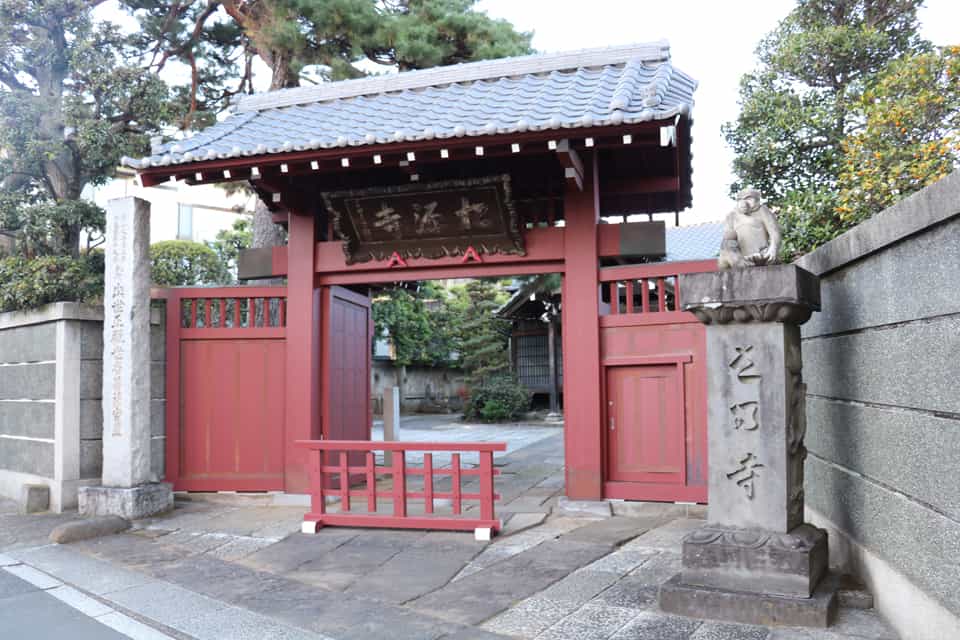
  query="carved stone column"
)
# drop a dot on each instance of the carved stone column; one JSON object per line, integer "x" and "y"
{"x": 755, "y": 561}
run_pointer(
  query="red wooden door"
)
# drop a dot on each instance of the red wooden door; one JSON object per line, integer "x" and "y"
{"x": 232, "y": 404}
{"x": 347, "y": 345}
{"x": 644, "y": 424}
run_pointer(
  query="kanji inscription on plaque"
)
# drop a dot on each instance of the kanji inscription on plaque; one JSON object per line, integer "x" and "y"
{"x": 427, "y": 220}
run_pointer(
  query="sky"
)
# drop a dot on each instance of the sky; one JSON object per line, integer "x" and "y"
{"x": 711, "y": 40}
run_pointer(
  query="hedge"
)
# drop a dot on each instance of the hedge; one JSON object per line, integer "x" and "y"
{"x": 28, "y": 283}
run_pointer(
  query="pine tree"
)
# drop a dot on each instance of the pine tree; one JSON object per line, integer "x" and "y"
{"x": 484, "y": 336}
{"x": 804, "y": 100}
{"x": 75, "y": 95}
{"x": 318, "y": 41}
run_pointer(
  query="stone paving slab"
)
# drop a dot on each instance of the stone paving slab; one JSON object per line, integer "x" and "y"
{"x": 483, "y": 594}
{"x": 175, "y": 606}
{"x": 472, "y": 633}
{"x": 580, "y": 586}
{"x": 530, "y": 617}
{"x": 517, "y": 522}
{"x": 658, "y": 569}
{"x": 613, "y": 531}
{"x": 301, "y": 605}
{"x": 298, "y": 549}
{"x": 728, "y": 631}
{"x": 408, "y": 575}
{"x": 590, "y": 622}
{"x": 629, "y": 592}
{"x": 91, "y": 575}
{"x": 668, "y": 537}
{"x": 650, "y": 625}
{"x": 622, "y": 561}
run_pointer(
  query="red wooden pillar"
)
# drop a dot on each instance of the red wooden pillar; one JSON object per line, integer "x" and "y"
{"x": 581, "y": 340}
{"x": 302, "y": 421}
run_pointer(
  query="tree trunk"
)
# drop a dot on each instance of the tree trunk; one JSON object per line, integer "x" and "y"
{"x": 265, "y": 233}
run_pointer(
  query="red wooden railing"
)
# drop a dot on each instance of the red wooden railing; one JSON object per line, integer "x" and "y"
{"x": 227, "y": 310}
{"x": 321, "y": 471}
{"x": 649, "y": 293}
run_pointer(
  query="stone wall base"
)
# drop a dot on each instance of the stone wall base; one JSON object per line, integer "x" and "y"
{"x": 142, "y": 501}
{"x": 818, "y": 610}
{"x": 912, "y": 612}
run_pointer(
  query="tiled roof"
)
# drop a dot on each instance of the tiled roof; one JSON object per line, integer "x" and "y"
{"x": 695, "y": 242}
{"x": 588, "y": 88}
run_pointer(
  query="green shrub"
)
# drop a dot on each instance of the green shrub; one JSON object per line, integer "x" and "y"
{"x": 497, "y": 399}
{"x": 28, "y": 283}
{"x": 181, "y": 263}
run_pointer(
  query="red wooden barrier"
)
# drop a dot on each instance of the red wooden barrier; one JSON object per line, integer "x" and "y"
{"x": 648, "y": 293}
{"x": 330, "y": 457}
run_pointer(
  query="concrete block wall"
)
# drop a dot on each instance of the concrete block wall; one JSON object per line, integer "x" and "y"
{"x": 445, "y": 385}
{"x": 882, "y": 364}
{"x": 51, "y": 415}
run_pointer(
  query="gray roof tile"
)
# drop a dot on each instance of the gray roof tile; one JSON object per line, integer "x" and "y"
{"x": 694, "y": 242}
{"x": 587, "y": 88}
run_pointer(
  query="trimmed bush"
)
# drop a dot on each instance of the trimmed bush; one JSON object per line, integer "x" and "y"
{"x": 28, "y": 283}
{"x": 497, "y": 399}
{"x": 181, "y": 263}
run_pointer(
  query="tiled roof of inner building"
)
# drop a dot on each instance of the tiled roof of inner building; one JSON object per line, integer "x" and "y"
{"x": 589, "y": 88}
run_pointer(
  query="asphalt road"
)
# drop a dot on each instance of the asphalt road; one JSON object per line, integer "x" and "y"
{"x": 28, "y": 613}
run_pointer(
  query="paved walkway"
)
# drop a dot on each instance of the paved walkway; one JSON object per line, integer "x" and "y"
{"x": 221, "y": 571}
{"x": 450, "y": 428}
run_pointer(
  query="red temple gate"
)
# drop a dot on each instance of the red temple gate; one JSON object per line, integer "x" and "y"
{"x": 351, "y": 187}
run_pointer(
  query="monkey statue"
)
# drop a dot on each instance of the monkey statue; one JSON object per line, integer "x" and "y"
{"x": 751, "y": 235}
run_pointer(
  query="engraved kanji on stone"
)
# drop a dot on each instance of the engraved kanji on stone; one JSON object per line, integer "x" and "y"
{"x": 472, "y": 215}
{"x": 426, "y": 218}
{"x": 744, "y": 474}
{"x": 743, "y": 364}
{"x": 745, "y": 415}
{"x": 388, "y": 220}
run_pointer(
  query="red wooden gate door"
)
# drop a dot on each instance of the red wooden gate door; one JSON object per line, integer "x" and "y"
{"x": 654, "y": 386}
{"x": 226, "y": 366}
{"x": 348, "y": 331}
{"x": 645, "y": 428}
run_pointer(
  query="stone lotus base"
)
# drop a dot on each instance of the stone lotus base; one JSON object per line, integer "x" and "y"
{"x": 142, "y": 501}
{"x": 781, "y": 564}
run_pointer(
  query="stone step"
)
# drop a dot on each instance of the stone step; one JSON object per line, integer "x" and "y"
{"x": 852, "y": 594}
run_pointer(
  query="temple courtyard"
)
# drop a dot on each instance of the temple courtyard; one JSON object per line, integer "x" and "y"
{"x": 234, "y": 567}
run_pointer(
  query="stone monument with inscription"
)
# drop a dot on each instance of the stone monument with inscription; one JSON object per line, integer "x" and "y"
{"x": 130, "y": 489}
{"x": 755, "y": 561}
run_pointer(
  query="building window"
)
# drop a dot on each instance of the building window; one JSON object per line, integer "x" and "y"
{"x": 184, "y": 222}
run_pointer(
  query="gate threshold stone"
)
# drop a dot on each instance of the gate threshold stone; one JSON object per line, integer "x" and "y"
{"x": 819, "y": 610}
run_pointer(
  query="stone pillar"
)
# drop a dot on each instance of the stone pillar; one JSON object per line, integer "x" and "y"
{"x": 755, "y": 561}
{"x": 130, "y": 489}
{"x": 391, "y": 419}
